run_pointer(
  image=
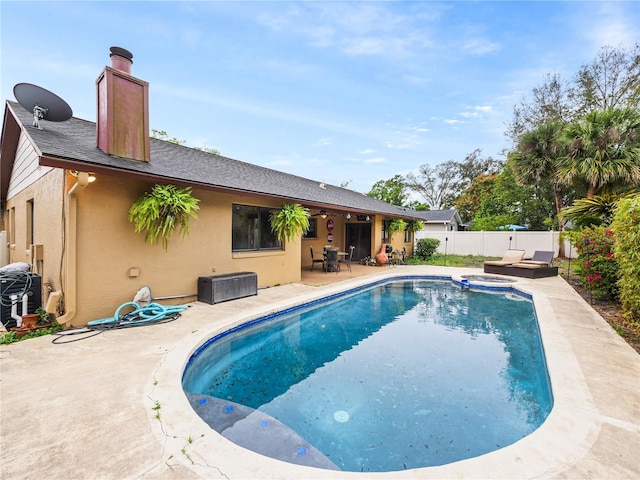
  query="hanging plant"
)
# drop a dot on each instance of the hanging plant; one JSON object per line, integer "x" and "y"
{"x": 414, "y": 226}
{"x": 290, "y": 222}
{"x": 158, "y": 213}
{"x": 396, "y": 225}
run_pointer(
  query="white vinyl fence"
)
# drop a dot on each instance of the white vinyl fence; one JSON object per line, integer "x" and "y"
{"x": 494, "y": 244}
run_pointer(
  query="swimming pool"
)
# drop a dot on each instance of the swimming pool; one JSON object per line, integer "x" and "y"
{"x": 400, "y": 375}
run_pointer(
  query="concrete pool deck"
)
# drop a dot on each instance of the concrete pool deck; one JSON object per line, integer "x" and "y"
{"x": 111, "y": 406}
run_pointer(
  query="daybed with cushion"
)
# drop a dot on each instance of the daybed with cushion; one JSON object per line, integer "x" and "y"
{"x": 539, "y": 266}
{"x": 510, "y": 257}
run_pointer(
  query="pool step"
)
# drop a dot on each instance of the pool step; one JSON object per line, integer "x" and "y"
{"x": 257, "y": 431}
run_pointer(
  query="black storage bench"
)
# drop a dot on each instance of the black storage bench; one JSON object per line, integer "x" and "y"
{"x": 220, "y": 288}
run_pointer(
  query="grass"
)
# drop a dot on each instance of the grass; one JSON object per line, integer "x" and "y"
{"x": 452, "y": 260}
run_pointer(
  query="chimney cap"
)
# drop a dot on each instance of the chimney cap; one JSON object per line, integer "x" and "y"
{"x": 121, "y": 52}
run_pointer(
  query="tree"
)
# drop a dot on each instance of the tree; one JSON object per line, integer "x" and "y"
{"x": 393, "y": 191}
{"x": 162, "y": 135}
{"x": 553, "y": 101}
{"x": 472, "y": 166}
{"x": 468, "y": 202}
{"x": 603, "y": 151}
{"x": 434, "y": 184}
{"x": 441, "y": 185}
{"x": 598, "y": 210}
{"x": 612, "y": 80}
{"x": 537, "y": 156}
{"x": 514, "y": 203}
{"x": 536, "y": 161}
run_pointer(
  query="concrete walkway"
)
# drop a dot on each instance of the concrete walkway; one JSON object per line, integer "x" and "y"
{"x": 111, "y": 406}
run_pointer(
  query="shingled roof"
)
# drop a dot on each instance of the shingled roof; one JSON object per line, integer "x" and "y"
{"x": 72, "y": 145}
{"x": 438, "y": 216}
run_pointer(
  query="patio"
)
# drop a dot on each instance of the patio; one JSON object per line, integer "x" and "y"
{"x": 111, "y": 406}
{"x": 317, "y": 277}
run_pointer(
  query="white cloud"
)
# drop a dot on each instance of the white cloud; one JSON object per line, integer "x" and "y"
{"x": 611, "y": 25}
{"x": 323, "y": 142}
{"x": 479, "y": 111}
{"x": 366, "y": 151}
{"x": 375, "y": 160}
{"x": 480, "y": 46}
{"x": 399, "y": 146}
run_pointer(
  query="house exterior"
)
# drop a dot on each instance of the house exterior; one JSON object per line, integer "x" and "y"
{"x": 76, "y": 235}
{"x": 440, "y": 220}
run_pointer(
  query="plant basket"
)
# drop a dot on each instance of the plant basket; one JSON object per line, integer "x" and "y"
{"x": 30, "y": 320}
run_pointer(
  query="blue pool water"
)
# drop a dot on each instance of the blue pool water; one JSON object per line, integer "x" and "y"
{"x": 401, "y": 375}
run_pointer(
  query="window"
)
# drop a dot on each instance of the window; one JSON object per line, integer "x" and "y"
{"x": 12, "y": 225}
{"x": 29, "y": 223}
{"x": 251, "y": 229}
{"x": 385, "y": 235}
{"x": 407, "y": 236}
{"x": 313, "y": 229}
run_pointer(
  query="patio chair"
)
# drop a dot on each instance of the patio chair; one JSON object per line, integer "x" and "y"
{"x": 540, "y": 259}
{"x": 315, "y": 260}
{"x": 348, "y": 258}
{"x": 510, "y": 257}
{"x": 331, "y": 263}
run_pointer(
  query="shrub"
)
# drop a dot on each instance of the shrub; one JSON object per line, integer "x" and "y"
{"x": 426, "y": 247}
{"x": 626, "y": 223}
{"x": 597, "y": 265}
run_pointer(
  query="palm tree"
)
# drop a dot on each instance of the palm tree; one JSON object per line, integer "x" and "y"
{"x": 536, "y": 160}
{"x": 603, "y": 150}
{"x": 599, "y": 209}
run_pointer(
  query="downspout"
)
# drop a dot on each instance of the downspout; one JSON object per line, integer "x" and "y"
{"x": 71, "y": 248}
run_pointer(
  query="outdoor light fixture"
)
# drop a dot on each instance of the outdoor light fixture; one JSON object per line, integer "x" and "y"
{"x": 348, "y": 215}
{"x": 323, "y": 213}
{"x": 92, "y": 176}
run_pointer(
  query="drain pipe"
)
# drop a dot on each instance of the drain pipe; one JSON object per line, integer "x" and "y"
{"x": 14, "y": 308}
{"x": 71, "y": 235}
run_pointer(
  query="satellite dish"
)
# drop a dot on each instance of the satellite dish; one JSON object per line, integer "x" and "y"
{"x": 44, "y": 104}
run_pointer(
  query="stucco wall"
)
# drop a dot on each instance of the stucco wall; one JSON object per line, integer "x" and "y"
{"x": 109, "y": 250}
{"x": 44, "y": 188}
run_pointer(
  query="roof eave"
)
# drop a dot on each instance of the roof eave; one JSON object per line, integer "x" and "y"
{"x": 8, "y": 146}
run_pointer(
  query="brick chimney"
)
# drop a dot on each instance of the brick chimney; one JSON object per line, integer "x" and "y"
{"x": 123, "y": 109}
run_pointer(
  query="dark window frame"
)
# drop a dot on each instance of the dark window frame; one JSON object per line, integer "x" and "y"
{"x": 313, "y": 229}
{"x": 251, "y": 229}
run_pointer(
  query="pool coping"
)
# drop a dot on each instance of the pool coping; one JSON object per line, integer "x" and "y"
{"x": 111, "y": 406}
{"x": 567, "y": 435}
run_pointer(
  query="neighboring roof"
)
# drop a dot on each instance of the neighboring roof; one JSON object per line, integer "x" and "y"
{"x": 439, "y": 216}
{"x": 72, "y": 145}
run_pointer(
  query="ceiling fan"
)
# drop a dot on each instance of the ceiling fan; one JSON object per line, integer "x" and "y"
{"x": 325, "y": 214}
{"x": 321, "y": 213}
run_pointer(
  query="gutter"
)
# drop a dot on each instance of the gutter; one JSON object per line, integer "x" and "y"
{"x": 71, "y": 235}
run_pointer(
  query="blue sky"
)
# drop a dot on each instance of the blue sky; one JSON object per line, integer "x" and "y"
{"x": 334, "y": 91}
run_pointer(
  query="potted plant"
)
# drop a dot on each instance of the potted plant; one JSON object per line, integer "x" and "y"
{"x": 158, "y": 213}
{"x": 414, "y": 226}
{"x": 30, "y": 321}
{"x": 290, "y": 222}
{"x": 396, "y": 225}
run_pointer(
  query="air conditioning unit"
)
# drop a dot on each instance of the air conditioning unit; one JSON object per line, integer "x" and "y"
{"x": 18, "y": 285}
